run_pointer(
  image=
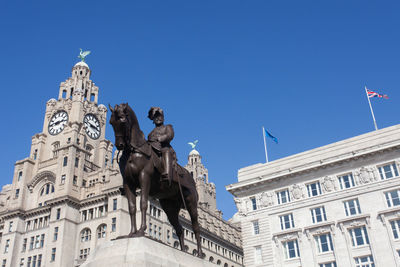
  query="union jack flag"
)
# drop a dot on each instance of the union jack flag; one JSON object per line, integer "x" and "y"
{"x": 372, "y": 94}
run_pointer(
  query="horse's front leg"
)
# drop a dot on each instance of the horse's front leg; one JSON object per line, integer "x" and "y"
{"x": 144, "y": 181}
{"x": 130, "y": 195}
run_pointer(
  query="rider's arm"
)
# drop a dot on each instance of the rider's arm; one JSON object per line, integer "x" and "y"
{"x": 168, "y": 136}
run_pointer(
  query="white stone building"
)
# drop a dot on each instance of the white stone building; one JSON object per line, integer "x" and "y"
{"x": 336, "y": 205}
{"x": 64, "y": 198}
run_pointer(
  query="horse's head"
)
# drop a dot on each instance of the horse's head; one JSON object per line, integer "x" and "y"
{"x": 121, "y": 125}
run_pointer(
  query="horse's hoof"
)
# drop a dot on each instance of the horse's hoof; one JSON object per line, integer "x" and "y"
{"x": 137, "y": 234}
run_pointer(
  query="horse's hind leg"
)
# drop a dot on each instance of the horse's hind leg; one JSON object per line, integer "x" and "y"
{"x": 191, "y": 205}
{"x": 171, "y": 207}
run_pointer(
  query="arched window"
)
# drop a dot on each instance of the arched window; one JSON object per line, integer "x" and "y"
{"x": 101, "y": 231}
{"x": 226, "y": 265}
{"x": 194, "y": 252}
{"x": 86, "y": 235}
{"x": 47, "y": 189}
{"x": 211, "y": 259}
{"x": 218, "y": 262}
{"x": 176, "y": 244}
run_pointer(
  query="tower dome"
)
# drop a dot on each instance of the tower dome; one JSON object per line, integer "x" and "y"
{"x": 82, "y": 64}
{"x": 194, "y": 152}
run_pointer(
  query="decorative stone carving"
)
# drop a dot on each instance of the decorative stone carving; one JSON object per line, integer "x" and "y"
{"x": 356, "y": 223}
{"x": 266, "y": 199}
{"x": 328, "y": 184}
{"x": 296, "y": 191}
{"x": 365, "y": 175}
{"x": 241, "y": 206}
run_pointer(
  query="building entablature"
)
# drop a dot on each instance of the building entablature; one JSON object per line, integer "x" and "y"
{"x": 366, "y": 179}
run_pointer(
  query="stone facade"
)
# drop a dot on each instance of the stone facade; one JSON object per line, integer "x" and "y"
{"x": 64, "y": 199}
{"x": 336, "y": 205}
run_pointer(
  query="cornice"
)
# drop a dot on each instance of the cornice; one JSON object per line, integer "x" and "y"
{"x": 65, "y": 199}
{"x": 22, "y": 161}
{"x": 93, "y": 200}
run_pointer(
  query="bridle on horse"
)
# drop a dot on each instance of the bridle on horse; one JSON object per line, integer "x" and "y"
{"x": 126, "y": 137}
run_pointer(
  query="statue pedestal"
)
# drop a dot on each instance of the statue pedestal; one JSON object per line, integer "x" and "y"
{"x": 141, "y": 252}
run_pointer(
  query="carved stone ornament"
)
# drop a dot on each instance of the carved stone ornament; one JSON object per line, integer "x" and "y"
{"x": 296, "y": 191}
{"x": 241, "y": 206}
{"x": 289, "y": 237}
{"x": 328, "y": 184}
{"x": 365, "y": 175}
{"x": 266, "y": 199}
{"x": 356, "y": 223}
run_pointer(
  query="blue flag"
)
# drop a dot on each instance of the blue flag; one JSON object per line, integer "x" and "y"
{"x": 271, "y": 136}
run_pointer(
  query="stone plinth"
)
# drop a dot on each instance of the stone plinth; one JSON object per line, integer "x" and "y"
{"x": 141, "y": 252}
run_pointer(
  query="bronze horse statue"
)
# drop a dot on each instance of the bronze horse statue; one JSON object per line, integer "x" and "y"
{"x": 138, "y": 165}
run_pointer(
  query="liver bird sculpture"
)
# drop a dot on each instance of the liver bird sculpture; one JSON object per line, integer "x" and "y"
{"x": 193, "y": 144}
{"x": 83, "y": 54}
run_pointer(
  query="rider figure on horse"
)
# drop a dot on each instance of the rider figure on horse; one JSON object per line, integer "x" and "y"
{"x": 160, "y": 139}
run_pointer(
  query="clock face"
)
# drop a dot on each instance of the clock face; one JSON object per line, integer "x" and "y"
{"x": 58, "y": 122}
{"x": 92, "y": 126}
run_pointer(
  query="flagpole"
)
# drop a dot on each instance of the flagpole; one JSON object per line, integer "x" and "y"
{"x": 265, "y": 145}
{"x": 372, "y": 111}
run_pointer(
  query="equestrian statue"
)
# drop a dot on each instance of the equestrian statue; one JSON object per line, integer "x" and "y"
{"x": 151, "y": 166}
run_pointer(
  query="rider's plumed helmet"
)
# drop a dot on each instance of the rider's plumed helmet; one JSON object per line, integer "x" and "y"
{"x": 153, "y": 112}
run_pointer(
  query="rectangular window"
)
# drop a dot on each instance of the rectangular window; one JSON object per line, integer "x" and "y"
{"x": 35, "y": 154}
{"x": 346, "y": 181}
{"x": 286, "y": 221}
{"x": 63, "y": 178}
{"x": 113, "y": 224}
{"x": 4, "y": 263}
{"x": 291, "y": 249}
{"x": 314, "y": 189}
{"x": 34, "y": 261}
{"x": 19, "y": 176}
{"x": 37, "y": 241}
{"x": 352, "y": 207}
{"x": 359, "y": 236}
{"x": 395, "y": 228}
{"x": 31, "y": 242}
{"x": 114, "y": 204}
{"x": 253, "y": 203}
{"x": 42, "y": 240}
{"x": 388, "y": 171}
{"x": 256, "y": 228}
{"x": 76, "y": 162}
{"x": 39, "y": 262}
{"x": 29, "y": 262}
{"x": 55, "y": 234}
{"x": 21, "y": 262}
{"x": 58, "y": 215}
{"x": 65, "y": 162}
{"x": 318, "y": 214}
{"x": 10, "y": 226}
{"x": 324, "y": 243}
{"x": 83, "y": 183}
{"x": 17, "y": 193}
{"x": 7, "y": 246}
{"x": 24, "y": 244}
{"x": 75, "y": 180}
{"x": 53, "y": 254}
{"x": 258, "y": 255}
{"x": 328, "y": 264}
{"x": 366, "y": 261}
{"x": 283, "y": 196}
{"x": 392, "y": 198}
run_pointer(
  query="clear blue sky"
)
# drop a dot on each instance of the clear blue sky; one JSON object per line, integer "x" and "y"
{"x": 220, "y": 70}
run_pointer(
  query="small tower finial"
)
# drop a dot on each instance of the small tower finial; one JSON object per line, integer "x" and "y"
{"x": 83, "y": 54}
